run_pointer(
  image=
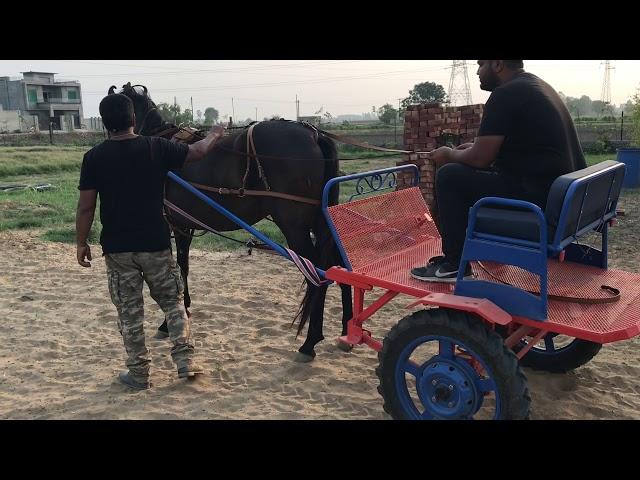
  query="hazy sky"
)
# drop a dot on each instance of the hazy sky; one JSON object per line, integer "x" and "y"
{"x": 339, "y": 86}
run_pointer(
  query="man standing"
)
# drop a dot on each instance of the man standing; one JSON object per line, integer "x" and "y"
{"x": 526, "y": 140}
{"x": 128, "y": 172}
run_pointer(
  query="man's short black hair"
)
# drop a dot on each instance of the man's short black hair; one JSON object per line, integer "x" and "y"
{"x": 116, "y": 111}
{"x": 514, "y": 64}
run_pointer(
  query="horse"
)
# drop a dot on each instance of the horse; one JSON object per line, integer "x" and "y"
{"x": 290, "y": 158}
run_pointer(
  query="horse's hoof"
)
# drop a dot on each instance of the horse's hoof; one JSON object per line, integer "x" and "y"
{"x": 303, "y": 357}
{"x": 345, "y": 347}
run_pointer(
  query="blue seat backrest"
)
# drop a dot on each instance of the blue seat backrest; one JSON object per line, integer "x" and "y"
{"x": 593, "y": 197}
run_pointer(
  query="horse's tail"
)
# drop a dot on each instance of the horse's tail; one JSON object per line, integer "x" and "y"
{"x": 331, "y": 164}
{"x": 327, "y": 253}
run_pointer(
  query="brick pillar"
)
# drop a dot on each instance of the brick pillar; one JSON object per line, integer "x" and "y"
{"x": 425, "y": 127}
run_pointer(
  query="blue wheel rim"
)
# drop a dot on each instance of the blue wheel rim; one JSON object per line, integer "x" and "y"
{"x": 550, "y": 347}
{"x": 446, "y": 384}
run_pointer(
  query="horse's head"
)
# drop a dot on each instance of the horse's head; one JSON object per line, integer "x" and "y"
{"x": 142, "y": 106}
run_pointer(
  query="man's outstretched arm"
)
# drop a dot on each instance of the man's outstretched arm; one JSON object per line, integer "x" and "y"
{"x": 84, "y": 219}
{"x": 198, "y": 150}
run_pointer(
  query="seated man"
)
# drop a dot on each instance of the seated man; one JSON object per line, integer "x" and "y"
{"x": 526, "y": 140}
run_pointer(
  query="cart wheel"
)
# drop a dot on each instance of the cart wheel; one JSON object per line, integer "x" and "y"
{"x": 558, "y": 353}
{"x": 445, "y": 364}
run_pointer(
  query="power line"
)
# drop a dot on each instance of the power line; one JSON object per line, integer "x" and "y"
{"x": 294, "y": 82}
{"x": 209, "y": 70}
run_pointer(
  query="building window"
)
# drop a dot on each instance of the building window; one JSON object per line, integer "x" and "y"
{"x": 72, "y": 95}
{"x": 33, "y": 95}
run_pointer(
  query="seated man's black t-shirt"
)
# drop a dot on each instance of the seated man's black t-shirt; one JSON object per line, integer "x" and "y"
{"x": 541, "y": 142}
{"x": 130, "y": 184}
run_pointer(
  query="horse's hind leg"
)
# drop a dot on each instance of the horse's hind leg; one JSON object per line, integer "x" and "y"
{"x": 329, "y": 256}
{"x": 183, "y": 242}
{"x": 312, "y": 305}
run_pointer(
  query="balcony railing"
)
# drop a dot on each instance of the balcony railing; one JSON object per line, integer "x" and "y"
{"x": 59, "y": 100}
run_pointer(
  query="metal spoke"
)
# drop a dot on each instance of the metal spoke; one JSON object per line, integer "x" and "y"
{"x": 426, "y": 415}
{"x": 548, "y": 343}
{"x": 487, "y": 385}
{"x": 412, "y": 368}
{"x": 446, "y": 349}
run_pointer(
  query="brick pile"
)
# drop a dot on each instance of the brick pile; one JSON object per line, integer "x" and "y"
{"x": 429, "y": 126}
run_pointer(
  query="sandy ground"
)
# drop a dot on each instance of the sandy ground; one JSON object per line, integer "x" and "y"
{"x": 61, "y": 350}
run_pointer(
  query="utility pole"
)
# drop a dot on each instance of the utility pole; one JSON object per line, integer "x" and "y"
{"x": 297, "y": 108}
{"x": 233, "y": 110}
{"x": 175, "y": 110}
{"x": 395, "y": 134}
{"x": 256, "y": 114}
{"x": 192, "y": 110}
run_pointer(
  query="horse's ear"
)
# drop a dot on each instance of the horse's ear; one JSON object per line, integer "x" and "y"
{"x": 145, "y": 89}
{"x": 111, "y": 89}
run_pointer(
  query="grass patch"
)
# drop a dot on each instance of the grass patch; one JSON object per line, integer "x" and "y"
{"x": 54, "y": 210}
{"x": 16, "y": 161}
{"x": 593, "y": 158}
{"x": 68, "y": 234}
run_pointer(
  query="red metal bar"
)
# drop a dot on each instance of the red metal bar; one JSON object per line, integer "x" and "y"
{"x": 518, "y": 335}
{"x": 355, "y": 333}
{"x": 480, "y": 306}
{"x": 531, "y": 343}
{"x": 375, "y": 344}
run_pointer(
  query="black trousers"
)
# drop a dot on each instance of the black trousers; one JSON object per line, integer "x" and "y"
{"x": 459, "y": 187}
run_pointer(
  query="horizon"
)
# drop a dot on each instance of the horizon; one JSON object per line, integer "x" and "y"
{"x": 340, "y": 87}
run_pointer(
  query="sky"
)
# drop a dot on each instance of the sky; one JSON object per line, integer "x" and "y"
{"x": 337, "y": 86}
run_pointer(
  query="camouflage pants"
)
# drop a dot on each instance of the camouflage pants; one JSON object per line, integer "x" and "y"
{"x": 126, "y": 273}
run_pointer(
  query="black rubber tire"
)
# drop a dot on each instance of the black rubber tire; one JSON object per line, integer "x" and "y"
{"x": 510, "y": 380}
{"x": 565, "y": 360}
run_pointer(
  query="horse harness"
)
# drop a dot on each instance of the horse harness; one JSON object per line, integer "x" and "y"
{"x": 190, "y": 135}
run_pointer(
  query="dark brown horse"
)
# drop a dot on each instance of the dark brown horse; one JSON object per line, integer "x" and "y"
{"x": 297, "y": 161}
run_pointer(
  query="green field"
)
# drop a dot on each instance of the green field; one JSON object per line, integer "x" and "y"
{"x": 53, "y": 211}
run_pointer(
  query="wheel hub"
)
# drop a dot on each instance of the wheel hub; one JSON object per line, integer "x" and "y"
{"x": 447, "y": 390}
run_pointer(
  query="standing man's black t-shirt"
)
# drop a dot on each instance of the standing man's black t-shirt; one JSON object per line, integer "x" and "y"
{"x": 130, "y": 183}
{"x": 541, "y": 142}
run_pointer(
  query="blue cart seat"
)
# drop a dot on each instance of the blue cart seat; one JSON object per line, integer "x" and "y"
{"x": 590, "y": 203}
{"x": 515, "y": 232}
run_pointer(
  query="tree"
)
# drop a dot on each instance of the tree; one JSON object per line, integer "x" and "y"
{"x": 563, "y": 97}
{"x": 210, "y": 116}
{"x": 601, "y": 108}
{"x": 174, "y": 114}
{"x": 635, "y": 132}
{"x": 387, "y": 114}
{"x": 187, "y": 116}
{"x": 627, "y": 108}
{"x": 426, "y": 92}
{"x": 168, "y": 112}
{"x": 582, "y": 106}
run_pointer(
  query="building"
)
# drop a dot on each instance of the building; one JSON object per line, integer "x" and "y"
{"x": 312, "y": 119}
{"x": 40, "y": 95}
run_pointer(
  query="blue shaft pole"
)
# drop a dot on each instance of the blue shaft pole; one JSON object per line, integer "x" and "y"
{"x": 277, "y": 247}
